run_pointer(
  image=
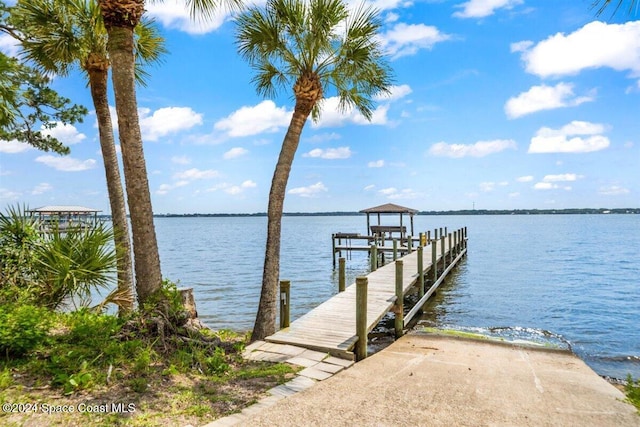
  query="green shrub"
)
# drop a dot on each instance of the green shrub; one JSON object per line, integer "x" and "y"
{"x": 632, "y": 390}
{"x": 24, "y": 327}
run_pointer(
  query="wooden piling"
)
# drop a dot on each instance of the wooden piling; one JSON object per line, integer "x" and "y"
{"x": 285, "y": 288}
{"x": 374, "y": 257}
{"x": 409, "y": 244}
{"x": 362, "y": 284}
{"x": 450, "y": 251}
{"x": 395, "y": 249}
{"x": 434, "y": 261}
{"x": 442, "y": 256}
{"x": 341, "y": 274}
{"x": 420, "y": 272}
{"x": 399, "y": 306}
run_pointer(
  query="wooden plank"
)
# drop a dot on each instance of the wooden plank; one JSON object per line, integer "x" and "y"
{"x": 331, "y": 326}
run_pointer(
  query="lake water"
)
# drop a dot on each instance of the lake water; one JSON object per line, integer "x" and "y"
{"x": 574, "y": 278}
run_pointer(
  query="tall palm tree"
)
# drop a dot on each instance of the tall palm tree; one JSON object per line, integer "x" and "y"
{"x": 120, "y": 17}
{"x": 312, "y": 46}
{"x": 62, "y": 33}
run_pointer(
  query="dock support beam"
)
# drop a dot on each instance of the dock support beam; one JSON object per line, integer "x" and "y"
{"x": 374, "y": 257}
{"x": 434, "y": 261}
{"x": 395, "y": 249}
{"x": 341, "y": 274}
{"x": 362, "y": 285}
{"x": 285, "y": 288}
{"x": 399, "y": 307}
{"x": 420, "y": 272}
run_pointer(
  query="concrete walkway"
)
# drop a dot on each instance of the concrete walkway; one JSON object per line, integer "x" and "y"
{"x": 430, "y": 380}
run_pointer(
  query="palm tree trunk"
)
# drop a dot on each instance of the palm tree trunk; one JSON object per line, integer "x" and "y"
{"x": 145, "y": 245}
{"x": 98, "y": 75}
{"x": 265, "y": 324}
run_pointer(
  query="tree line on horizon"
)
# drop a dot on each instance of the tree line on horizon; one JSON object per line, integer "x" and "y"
{"x": 307, "y": 48}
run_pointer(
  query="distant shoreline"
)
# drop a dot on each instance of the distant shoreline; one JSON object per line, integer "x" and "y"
{"x": 581, "y": 211}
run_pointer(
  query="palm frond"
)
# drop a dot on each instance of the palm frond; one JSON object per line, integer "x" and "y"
{"x": 149, "y": 48}
{"x": 616, "y": 5}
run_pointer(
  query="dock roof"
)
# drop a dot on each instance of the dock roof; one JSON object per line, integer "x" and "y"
{"x": 390, "y": 208}
{"x": 64, "y": 209}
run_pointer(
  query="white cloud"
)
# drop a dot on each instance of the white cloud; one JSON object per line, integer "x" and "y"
{"x": 483, "y": 8}
{"x": 562, "y": 177}
{"x": 514, "y": 194}
{"x": 569, "y": 138}
{"x": 526, "y": 178}
{"x": 545, "y": 186}
{"x": 331, "y": 115}
{"x": 14, "y": 147}
{"x": 165, "y": 188}
{"x": 264, "y": 117}
{"x": 195, "y": 173}
{"x": 407, "y": 39}
{"x": 66, "y": 164}
{"x": 310, "y": 191}
{"x": 376, "y": 164}
{"x": 234, "y": 153}
{"x": 175, "y": 15}
{"x": 613, "y": 190}
{"x": 41, "y": 188}
{"x": 181, "y": 160}
{"x": 9, "y": 45}
{"x": 543, "y": 97}
{"x": 237, "y": 189}
{"x": 65, "y": 133}
{"x": 395, "y": 93}
{"x": 167, "y": 120}
{"x": 369, "y": 187}
{"x": 479, "y": 149}
{"x": 330, "y": 153}
{"x": 521, "y": 46}
{"x": 595, "y": 45}
{"x": 393, "y": 193}
{"x": 9, "y": 195}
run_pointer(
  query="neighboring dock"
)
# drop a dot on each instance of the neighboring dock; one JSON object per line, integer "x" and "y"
{"x": 341, "y": 324}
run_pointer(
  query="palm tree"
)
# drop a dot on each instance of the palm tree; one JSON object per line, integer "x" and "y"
{"x": 312, "y": 46}
{"x": 61, "y": 33}
{"x": 120, "y": 17}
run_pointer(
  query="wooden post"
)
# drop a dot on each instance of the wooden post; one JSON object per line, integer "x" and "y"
{"x": 442, "y": 257}
{"x": 333, "y": 249}
{"x": 362, "y": 283}
{"x": 285, "y": 287}
{"x": 435, "y": 234}
{"x": 395, "y": 249}
{"x": 420, "y": 272}
{"x": 434, "y": 261}
{"x": 409, "y": 244}
{"x": 428, "y": 236}
{"x": 399, "y": 307}
{"x": 341, "y": 274}
{"x": 374, "y": 257}
{"x": 450, "y": 251}
{"x": 422, "y": 239}
{"x": 455, "y": 243}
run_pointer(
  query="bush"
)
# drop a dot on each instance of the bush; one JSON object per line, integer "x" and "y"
{"x": 632, "y": 390}
{"x": 24, "y": 327}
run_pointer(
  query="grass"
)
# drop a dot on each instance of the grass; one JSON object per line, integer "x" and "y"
{"x": 89, "y": 364}
{"x": 632, "y": 390}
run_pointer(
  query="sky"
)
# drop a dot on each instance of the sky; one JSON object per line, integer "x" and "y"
{"x": 496, "y": 104}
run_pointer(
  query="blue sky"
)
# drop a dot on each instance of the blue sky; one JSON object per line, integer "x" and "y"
{"x": 497, "y": 104}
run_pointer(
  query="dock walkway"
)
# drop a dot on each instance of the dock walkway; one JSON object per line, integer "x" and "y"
{"x": 331, "y": 327}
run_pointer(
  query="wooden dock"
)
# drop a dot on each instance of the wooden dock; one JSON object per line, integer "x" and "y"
{"x": 331, "y": 327}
